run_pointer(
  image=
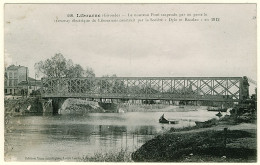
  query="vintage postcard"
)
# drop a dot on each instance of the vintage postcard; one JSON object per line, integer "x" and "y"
{"x": 130, "y": 82}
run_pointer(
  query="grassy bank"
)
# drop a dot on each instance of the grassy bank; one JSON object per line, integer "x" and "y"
{"x": 206, "y": 143}
{"x": 118, "y": 156}
{"x": 22, "y": 106}
{"x": 229, "y": 139}
{"x": 209, "y": 146}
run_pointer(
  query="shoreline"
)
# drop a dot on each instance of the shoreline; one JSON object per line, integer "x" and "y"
{"x": 196, "y": 144}
{"x": 247, "y": 131}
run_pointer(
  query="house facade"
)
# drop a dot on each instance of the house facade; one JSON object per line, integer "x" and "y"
{"x": 14, "y": 75}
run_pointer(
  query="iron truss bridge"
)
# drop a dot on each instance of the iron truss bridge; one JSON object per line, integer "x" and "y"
{"x": 148, "y": 88}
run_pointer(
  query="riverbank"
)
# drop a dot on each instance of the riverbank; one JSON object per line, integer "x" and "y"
{"x": 23, "y": 106}
{"x": 33, "y": 105}
{"x": 210, "y": 144}
{"x": 117, "y": 156}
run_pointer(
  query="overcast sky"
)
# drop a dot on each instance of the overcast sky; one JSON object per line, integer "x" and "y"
{"x": 224, "y": 48}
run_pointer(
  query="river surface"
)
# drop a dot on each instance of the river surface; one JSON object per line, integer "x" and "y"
{"x": 64, "y": 137}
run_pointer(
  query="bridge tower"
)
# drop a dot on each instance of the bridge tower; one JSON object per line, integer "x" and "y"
{"x": 244, "y": 85}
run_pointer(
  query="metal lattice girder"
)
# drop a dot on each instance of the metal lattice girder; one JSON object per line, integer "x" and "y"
{"x": 179, "y": 84}
{"x": 227, "y": 88}
{"x": 62, "y": 86}
{"x": 194, "y": 85}
{"x": 168, "y": 88}
{"x": 155, "y": 84}
{"x": 234, "y": 88}
{"x": 85, "y": 86}
{"x": 205, "y": 87}
{"x": 45, "y": 86}
{"x": 217, "y": 87}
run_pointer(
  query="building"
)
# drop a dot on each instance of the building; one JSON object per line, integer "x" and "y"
{"x": 31, "y": 85}
{"x": 13, "y": 76}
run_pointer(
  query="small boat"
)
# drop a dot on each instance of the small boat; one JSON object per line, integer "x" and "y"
{"x": 165, "y": 121}
{"x": 219, "y": 114}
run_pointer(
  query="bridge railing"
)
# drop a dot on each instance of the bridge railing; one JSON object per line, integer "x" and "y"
{"x": 169, "y": 88}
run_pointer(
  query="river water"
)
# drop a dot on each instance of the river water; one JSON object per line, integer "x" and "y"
{"x": 64, "y": 137}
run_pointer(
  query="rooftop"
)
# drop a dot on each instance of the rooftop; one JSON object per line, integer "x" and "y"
{"x": 14, "y": 67}
{"x": 31, "y": 82}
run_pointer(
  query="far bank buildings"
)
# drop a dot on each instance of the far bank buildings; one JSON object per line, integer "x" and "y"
{"x": 17, "y": 82}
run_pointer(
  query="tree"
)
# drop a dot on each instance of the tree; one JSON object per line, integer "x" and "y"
{"x": 54, "y": 67}
{"x": 89, "y": 72}
{"x": 58, "y": 66}
{"x": 75, "y": 71}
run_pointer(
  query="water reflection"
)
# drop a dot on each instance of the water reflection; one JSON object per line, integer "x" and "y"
{"x": 77, "y": 136}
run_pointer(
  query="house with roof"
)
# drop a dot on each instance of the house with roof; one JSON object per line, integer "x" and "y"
{"x": 13, "y": 76}
{"x": 18, "y": 83}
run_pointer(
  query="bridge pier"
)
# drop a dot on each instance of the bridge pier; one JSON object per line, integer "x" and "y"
{"x": 47, "y": 108}
{"x": 56, "y": 104}
{"x": 51, "y": 106}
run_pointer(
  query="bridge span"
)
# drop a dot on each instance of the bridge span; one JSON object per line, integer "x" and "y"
{"x": 226, "y": 89}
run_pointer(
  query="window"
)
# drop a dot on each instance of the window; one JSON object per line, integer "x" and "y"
{"x": 15, "y": 82}
{"x": 15, "y": 75}
{"x": 10, "y": 83}
{"x": 5, "y": 90}
{"x": 11, "y": 91}
{"x": 10, "y": 75}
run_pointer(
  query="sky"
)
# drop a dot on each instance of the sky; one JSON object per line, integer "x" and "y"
{"x": 226, "y": 48}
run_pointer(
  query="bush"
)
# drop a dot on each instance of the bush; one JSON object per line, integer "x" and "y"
{"x": 121, "y": 156}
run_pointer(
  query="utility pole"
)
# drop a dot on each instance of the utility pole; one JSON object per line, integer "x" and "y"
{"x": 35, "y": 83}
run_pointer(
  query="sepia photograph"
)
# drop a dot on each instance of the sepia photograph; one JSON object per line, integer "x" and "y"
{"x": 130, "y": 82}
